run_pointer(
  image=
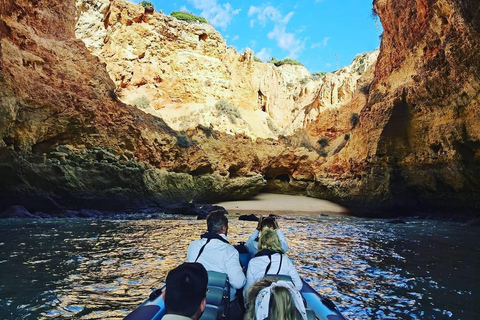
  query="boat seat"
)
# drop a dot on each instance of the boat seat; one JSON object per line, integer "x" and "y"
{"x": 210, "y": 313}
{"x": 215, "y": 296}
{"x": 311, "y": 314}
{"x": 218, "y": 296}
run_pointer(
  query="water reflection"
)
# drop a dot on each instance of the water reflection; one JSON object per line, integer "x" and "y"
{"x": 88, "y": 269}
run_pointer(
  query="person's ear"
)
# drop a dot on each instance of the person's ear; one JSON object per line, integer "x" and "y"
{"x": 163, "y": 294}
{"x": 224, "y": 230}
{"x": 203, "y": 304}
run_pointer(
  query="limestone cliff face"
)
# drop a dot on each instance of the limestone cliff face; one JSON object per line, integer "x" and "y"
{"x": 418, "y": 139}
{"x": 178, "y": 71}
{"x": 65, "y": 139}
{"x": 69, "y": 142}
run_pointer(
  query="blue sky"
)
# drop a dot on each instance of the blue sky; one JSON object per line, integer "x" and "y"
{"x": 324, "y": 35}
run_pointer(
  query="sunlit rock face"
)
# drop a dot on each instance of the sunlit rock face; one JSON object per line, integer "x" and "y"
{"x": 179, "y": 71}
{"x": 69, "y": 140}
{"x": 65, "y": 139}
{"x": 417, "y": 143}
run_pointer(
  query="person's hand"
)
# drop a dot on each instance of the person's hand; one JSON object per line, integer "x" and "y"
{"x": 259, "y": 225}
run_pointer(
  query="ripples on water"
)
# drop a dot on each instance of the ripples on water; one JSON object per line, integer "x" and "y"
{"x": 103, "y": 269}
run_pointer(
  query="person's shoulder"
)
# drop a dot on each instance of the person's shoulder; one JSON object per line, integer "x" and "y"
{"x": 175, "y": 317}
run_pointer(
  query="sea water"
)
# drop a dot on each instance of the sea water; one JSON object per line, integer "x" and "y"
{"x": 103, "y": 269}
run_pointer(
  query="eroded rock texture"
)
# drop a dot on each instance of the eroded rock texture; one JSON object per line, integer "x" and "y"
{"x": 417, "y": 144}
{"x": 68, "y": 140}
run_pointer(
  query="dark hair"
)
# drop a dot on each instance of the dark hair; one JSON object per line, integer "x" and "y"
{"x": 215, "y": 221}
{"x": 186, "y": 287}
{"x": 268, "y": 222}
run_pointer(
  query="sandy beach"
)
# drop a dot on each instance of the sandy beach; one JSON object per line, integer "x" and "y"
{"x": 268, "y": 203}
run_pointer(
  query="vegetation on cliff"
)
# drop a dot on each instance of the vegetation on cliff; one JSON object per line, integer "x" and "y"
{"x": 147, "y": 5}
{"x": 187, "y": 16}
{"x": 279, "y": 63}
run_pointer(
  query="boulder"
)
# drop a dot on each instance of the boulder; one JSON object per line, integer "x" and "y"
{"x": 248, "y": 217}
{"x": 16, "y": 212}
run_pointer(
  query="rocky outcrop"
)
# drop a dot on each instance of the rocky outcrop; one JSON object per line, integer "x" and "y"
{"x": 417, "y": 144}
{"x": 178, "y": 71}
{"x": 67, "y": 141}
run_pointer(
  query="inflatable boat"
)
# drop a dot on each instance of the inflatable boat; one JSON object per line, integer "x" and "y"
{"x": 318, "y": 306}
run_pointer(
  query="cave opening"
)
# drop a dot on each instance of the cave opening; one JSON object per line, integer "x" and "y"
{"x": 283, "y": 177}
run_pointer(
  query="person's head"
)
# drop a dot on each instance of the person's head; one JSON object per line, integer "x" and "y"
{"x": 268, "y": 222}
{"x": 269, "y": 241}
{"x": 186, "y": 289}
{"x": 271, "y": 299}
{"x": 217, "y": 222}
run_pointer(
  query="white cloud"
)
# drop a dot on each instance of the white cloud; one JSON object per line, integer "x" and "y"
{"x": 235, "y": 38}
{"x": 285, "y": 40}
{"x": 321, "y": 44}
{"x": 269, "y": 13}
{"x": 219, "y": 15}
{"x": 265, "y": 54}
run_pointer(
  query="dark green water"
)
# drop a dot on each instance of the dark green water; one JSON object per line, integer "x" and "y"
{"x": 102, "y": 269}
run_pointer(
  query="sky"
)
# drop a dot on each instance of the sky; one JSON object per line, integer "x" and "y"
{"x": 324, "y": 35}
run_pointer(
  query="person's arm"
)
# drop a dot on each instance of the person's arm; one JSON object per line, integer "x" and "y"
{"x": 234, "y": 270}
{"x": 283, "y": 240}
{"x": 251, "y": 244}
{"x": 248, "y": 283}
{"x": 293, "y": 273}
{"x": 191, "y": 253}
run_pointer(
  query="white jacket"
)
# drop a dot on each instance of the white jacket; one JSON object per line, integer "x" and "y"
{"x": 257, "y": 267}
{"x": 252, "y": 243}
{"x": 221, "y": 257}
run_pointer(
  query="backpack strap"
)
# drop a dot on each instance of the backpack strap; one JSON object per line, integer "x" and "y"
{"x": 269, "y": 264}
{"x": 280, "y": 265}
{"x": 202, "y": 248}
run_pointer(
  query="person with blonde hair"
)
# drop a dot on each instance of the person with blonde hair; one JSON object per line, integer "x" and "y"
{"x": 270, "y": 259}
{"x": 276, "y": 300}
{"x": 263, "y": 223}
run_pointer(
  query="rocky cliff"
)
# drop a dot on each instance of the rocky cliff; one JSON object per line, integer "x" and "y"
{"x": 179, "y": 71}
{"x": 416, "y": 146}
{"x": 71, "y": 139}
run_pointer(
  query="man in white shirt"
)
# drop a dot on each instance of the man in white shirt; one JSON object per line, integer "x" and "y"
{"x": 214, "y": 252}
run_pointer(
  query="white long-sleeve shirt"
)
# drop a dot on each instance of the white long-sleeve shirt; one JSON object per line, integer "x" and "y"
{"x": 220, "y": 257}
{"x": 257, "y": 267}
{"x": 252, "y": 243}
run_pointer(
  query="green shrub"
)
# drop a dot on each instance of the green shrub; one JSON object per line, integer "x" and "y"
{"x": 147, "y": 5}
{"x": 318, "y": 75}
{"x": 279, "y": 63}
{"x": 323, "y": 142}
{"x": 224, "y": 108}
{"x": 255, "y": 58}
{"x": 141, "y": 102}
{"x": 272, "y": 125}
{"x": 347, "y": 136}
{"x": 187, "y": 16}
{"x": 183, "y": 141}
{"x": 354, "y": 119}
{"x": 299, "y": 138}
